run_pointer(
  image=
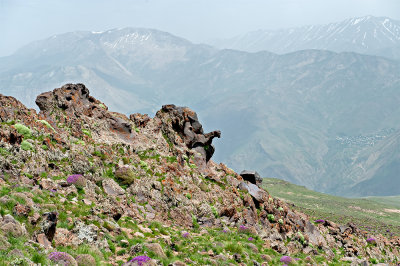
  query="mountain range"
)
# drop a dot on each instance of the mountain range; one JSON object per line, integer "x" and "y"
{"x": 327, "y": 120}
{"x": 367, "y": 35}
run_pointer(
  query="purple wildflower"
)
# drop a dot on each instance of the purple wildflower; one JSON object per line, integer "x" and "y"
{"x": 77, "y": 180}
{"x": 185, "y": 235}
{"x": 225, "y": 231}
{"x": 319, "y": 221}
{"x": 250, "y": 239}
{"x": 140, "y": 260}
{"x": 60, "y": 256}
{"x": 371, "y": 240}
{"x": 286, "y": 259}
{"x": 242, "y": 228}
{"x": 73, "y": 178}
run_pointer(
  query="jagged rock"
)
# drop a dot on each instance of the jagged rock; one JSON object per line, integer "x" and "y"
{"x": 314, "y": 235}
{"x": 251, "y": 176}
{"x": 139, "y": 119}
{"x": 257, "y": 193}
{"x": 112, "y": 188}
{"x": 183, "y": 122}
{"x": 49, "y": 224}
{"x": 12, "y": 110}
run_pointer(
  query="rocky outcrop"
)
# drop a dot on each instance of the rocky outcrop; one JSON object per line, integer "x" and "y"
{"x": 181, "y": 125}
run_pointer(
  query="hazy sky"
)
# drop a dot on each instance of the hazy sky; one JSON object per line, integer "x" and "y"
{"x": 23, "y": 21}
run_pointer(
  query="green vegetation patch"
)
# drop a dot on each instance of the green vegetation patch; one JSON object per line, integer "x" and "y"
{"x": 23, "y": 130}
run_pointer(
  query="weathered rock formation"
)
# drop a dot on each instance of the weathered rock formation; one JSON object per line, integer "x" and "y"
{"x": 182, "y": 125}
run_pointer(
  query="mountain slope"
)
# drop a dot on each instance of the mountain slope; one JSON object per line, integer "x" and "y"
{"x": 363, "y": 35}
{"x": 385, "y": 210}
{"x": 81, "y": 185}
{"x": 279, "y": 114}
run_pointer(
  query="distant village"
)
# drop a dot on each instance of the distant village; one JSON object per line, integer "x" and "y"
{"x": 364, "y": 140}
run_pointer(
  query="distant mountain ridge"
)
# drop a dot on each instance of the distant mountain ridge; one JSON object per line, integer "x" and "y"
{"x": 368, "y": 35}
{"x": 279, "y": 114}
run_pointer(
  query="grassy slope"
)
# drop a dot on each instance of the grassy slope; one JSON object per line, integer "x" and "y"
{"x": 376, "y": 214}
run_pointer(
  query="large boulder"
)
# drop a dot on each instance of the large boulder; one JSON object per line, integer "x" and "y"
{"x": 251, "y": 176}
{"x": 257, "y": 193}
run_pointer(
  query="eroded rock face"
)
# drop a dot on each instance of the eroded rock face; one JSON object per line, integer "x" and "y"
{"x": 188, "y": 130}
{"x": 72, "y": 104}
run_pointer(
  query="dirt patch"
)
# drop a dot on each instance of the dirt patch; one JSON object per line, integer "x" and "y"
{"x": 310, "y": 197}
{"x": 392, "y": 210}
{"x": 364, "y": 210}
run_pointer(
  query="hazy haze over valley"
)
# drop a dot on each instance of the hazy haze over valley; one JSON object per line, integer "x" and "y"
{"x": 310, "y": 98}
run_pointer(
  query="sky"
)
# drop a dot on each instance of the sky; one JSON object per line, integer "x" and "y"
{"x": 24, "y": 21}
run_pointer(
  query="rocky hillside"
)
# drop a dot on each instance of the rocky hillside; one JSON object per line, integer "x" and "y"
{"x": 81, "y": 185}
{"x": 280, "y": 114}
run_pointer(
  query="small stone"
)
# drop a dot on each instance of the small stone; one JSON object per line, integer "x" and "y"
{"x": 221, "y": 257}
{"x": 145, "y": 229}
{"x": 253, "y": 247}
{"x": 112, "y": 188}
{"x": 203, "y": 232}
{"x": 136, "y": 249}
{"x": 42, "y": 239}
{"x": 266, "y": 257}
{"x": 138, "y": 234}
{"x": 125, "y": 242}
{"x": 87, "y": 202}
{"x": 34, "y": 219}
{"x": 157, "y": 249}
{"x": 21, "y": 210}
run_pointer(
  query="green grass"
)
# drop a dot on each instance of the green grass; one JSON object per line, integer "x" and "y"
{"x": 368, "y": 213}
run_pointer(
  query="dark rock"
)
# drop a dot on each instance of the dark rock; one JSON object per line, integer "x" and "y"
{"x": 237, "y": 257}
{"x": 49, "y": 224}
{"x": 184, "y": 122}
{"x": 251, "y": 176}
